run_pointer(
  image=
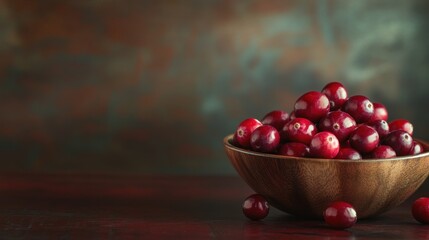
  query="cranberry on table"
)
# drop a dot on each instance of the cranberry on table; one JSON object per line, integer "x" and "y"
{"x": 381, "y": 126}
{"x": 340, "y": 215}
{"x": 401, "y": 124}
{"x": 364, "y": 139}
{"x": 420, "y": 210}
{"x": 340, "y": 123}
{"x": 336, "y": 94}
{"x": 265, "y": 139}
{"x": 400, "y": 141}
{"x": 324, "y": 145}
{"x": 276, "y": 118}
{"x": 255, "y": 207}
{"x": 348, "y": 153}
{"x": 312, "y": 105}
{"x": 298, "y": 130}
{"x": 359, "y": 107}
{"x": 417, "y": 148}
{"x": 383, "y": 151}
{"x": 294, "y": 149}
{"x": 244, "y": 130}
{"x": 380, "y": 112}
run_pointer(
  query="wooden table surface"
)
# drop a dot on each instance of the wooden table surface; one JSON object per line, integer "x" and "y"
{"x": 64, "y": 206}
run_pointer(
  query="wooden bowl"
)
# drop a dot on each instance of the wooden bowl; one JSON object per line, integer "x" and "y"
{"x": 305, "y": 186}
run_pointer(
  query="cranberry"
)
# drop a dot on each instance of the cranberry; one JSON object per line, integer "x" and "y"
{"x": 341, "y": 124}
{"x": 244, "y": 130}
{"x": 255, "y": 207}
{"x": 294, "y": 149}
{"x": 291, "y": 116}
{"x": 383, "y": 151}
{"x": 401, "y": 124}
{"x": 276, "y": 118}
{"x": 336, "y": 94}
{"x": 299, "y": 130}
{"x": 340, "y": 215}
{"x": 364, "y": 139}
{"x": 400, "y": 141}
{"x": 381, "y": 126}
{"x": 312, "y": 105}
{"x": 359, "y": 107}
{"x": 265, "y": 139}
{"x": 417, "y": 148}
{"x": 324, "y": 145}
{"x": 380, "y": 112}
{"x": 420, "y": 210}
{"x": 348, "y": 153}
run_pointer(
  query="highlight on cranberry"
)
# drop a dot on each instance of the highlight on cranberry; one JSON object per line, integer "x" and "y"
{"x": 329, "y": 124}
{"x": 340, "y": 215}
{"x": 255, "y": 207}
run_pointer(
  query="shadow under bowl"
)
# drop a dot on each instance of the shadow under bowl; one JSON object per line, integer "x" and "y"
{"x": 305, "y": 186}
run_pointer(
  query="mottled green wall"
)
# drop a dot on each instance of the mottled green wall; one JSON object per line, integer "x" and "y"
{"x": 154, "y": 86}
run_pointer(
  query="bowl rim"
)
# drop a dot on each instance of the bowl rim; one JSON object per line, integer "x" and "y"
{"x": 227, "y": 143}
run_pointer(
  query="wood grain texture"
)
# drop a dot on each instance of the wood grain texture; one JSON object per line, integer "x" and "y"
{"x": 305, "y": 186}
{"x": 70, "y": 206}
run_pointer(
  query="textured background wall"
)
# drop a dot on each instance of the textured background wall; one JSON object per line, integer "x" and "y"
{"x": 154, "y": 86}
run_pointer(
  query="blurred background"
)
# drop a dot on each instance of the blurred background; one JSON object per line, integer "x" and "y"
{"x": 152, "y": 87}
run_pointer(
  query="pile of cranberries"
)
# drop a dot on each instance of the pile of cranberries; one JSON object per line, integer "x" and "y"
{"x": 329, "y": 124}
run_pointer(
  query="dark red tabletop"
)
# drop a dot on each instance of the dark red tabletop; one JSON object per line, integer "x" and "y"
{"x": 66, "y": 206}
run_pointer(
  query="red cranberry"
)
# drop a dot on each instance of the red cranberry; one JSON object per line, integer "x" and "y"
{"x": 340, "y": 215}
{"x": 291, "y": 116}
{"x": 401, "y": 124}
{"x": 299, "y": 130}
{"x": 417, "y": 148}
{"x": 400, "y": 141}
{"x": 364, "y": 139}
{"x": 380, "y": 112}
{"x": 359, "y": 107}
{"x": 265, "y": 139}
{"x": 348, "y": 153}
{"x": 312, "y": 105}
{"x": 324, "y": 145}
{"x": 336, "y": 94}
{"x": 420, "y": 210}
{"x": 341, "y": 124}
{"x": 276, "y": 118}
{"x": 255, "y": 207}
{"x": 244, "y": 130}
{"x": 381, "y": 126}
{"x": 383, "y": 151}
{"x": 294, "y": 149}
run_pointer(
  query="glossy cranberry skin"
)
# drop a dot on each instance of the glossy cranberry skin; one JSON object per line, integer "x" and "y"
{"x": 348, "y": 153}
{"x": 420, "y": 210}
{"x": 401, "y": 124}
{"x": 245, "y": 130}
{"x": 381, "y": 126}
{"x": 324, "y": 145}
{"x": 359, "y": 107}
{"x": 380, "y": 112}
{"x": 336, "y": 93}
{"x": 364, "y": 139}
{"x": 312, "y": 105}
{"x": 294, "y": 149}
{"x": 265, "y": 139}
{"x": 417, "y": 148}
{"x": 340, "y": 123}
{"x": 340, "y": 215}
{"x": 276, "y": 118}
{"x": 400, "y": 141}
{"x": 383, "y": 151}
{"x": 255, "y": 207}
{"x": 298, "y": 130}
